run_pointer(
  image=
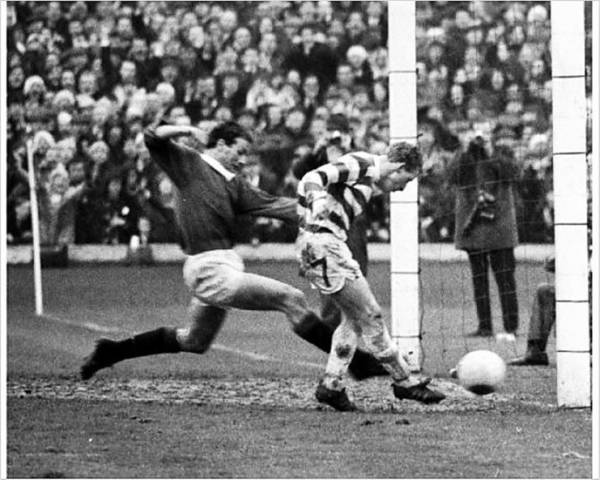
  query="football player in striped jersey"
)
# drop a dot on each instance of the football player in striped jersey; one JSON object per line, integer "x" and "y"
{"x": 329, "y": 199}
{"x": 332, "y": 144}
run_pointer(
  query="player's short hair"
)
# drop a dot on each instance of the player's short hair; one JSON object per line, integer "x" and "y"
{"x": 410, "y": 155}
{"x": 228, "y": 132}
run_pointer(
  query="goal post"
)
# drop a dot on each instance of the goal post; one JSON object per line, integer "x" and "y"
{"x": 404, "y": 208}
{"x": 573, "y": 355}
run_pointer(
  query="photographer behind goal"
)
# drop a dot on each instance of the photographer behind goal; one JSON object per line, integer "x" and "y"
{"x": 486, "y": 227}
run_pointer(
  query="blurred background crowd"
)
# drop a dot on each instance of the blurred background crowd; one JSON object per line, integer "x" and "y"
{"x": 86, "y": 78}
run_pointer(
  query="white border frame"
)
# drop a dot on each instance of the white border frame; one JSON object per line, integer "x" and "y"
{"x": 3, "y": 272}
{"x": 595, "y": 261}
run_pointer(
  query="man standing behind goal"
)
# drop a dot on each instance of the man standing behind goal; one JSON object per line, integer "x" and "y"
{"x": 330, "y": 198}
{"x": 211, "y": 198}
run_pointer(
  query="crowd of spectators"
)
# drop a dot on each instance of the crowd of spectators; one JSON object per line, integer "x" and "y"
{"x": 484, "y": 67}
{"x": 86, "y": 78}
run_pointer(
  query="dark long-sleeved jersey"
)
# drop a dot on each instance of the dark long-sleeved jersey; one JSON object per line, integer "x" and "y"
{"x": 210, "y": 198}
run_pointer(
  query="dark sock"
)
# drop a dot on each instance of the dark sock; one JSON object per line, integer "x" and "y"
{"x": 314, "y": 331}
{"x": 161, "y": 340}
{"x": 535, "y": 346}
{"x": 364, "y": 365}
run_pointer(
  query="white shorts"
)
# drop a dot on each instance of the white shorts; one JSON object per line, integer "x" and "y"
{"x": 326, "y": 261}
{"x": 214, "y": 277}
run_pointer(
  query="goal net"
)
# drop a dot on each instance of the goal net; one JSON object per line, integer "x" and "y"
{"x": 498, "y": 95}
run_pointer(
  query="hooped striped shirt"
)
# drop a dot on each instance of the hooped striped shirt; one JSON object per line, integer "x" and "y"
{"x": 333, "y": 195}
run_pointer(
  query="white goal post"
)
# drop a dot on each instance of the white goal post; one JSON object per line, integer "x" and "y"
{"x": 404, "y": 207}
{"x": 573, "y": 355}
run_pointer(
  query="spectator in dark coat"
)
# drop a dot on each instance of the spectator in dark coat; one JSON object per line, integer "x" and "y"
{"x": 158, "y": 208}
{"x": 120, "y": 212}
{"x": 486, "y": 227}
{"x": 312, "y": 57}
{"x": 358, "y": 60}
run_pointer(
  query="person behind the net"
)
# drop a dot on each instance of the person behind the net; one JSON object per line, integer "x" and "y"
{"x": 543, "y": 318}
{"x": 330, "y": 198}
{"x": 210, "y": 200}
{"x": 483, "y": 177}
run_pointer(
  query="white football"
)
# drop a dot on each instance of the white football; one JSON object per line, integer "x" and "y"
{"x": 481, "y": 371}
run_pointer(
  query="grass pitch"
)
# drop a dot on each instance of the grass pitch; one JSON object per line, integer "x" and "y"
{"x": 246, "y": 408}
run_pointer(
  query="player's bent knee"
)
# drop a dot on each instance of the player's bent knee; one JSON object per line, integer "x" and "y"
{"x": 343, "y": 350}
{"x": 195, "y": 347}
{"x": 296, "y": 296}
{"x": 376, "y": 314}
{"x": 294, "y": 300}
{"x": 190, "y": 343}
{"x": 385, "y": 354}
{"x": 379, "y": 346}
{"x": 372, "y": 315}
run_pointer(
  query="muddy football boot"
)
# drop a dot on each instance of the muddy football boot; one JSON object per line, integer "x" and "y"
{"x": 419, "y": 392}
{"x": 104, "y": 355}
{"x": 335, "y": 398}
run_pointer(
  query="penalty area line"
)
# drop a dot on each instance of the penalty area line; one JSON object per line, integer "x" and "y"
{"x": 262, "y": 358}
{"x": 95, "y": 327}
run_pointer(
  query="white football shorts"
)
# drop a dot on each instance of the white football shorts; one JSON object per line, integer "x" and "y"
{"x": 326, "y": 261}
{"x": 214, "y": 277}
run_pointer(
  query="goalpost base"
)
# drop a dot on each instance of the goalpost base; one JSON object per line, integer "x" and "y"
{"x": 411, "y": 351}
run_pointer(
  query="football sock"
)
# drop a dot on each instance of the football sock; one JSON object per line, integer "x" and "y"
{"x": 536, "y": 345}
{"x": 161, "y": 340}
{"x": 314, "y": 331}
{"x": 364, "y": 365}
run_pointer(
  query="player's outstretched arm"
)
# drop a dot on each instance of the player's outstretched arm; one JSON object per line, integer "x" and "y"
{"x": 170, "y": 131}
{"x": 258, "y": 203}
{"x": 349, "y": 169}
{"x": 175, "y": 159}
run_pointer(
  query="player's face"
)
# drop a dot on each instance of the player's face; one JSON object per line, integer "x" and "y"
{"x": 235, "y": 156}
{"x": 397, "y": 179}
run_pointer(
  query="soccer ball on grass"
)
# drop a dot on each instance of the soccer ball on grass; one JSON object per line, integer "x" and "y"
{"x": 481, "y": 371}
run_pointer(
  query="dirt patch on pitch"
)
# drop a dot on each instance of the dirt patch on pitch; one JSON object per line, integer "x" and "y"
{"x": 371, "y": 396}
